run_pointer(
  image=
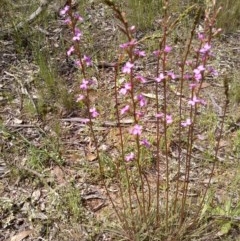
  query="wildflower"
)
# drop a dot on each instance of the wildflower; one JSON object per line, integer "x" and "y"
{"x": 87, "y": 60}
{"x": 159, "y": 115}
{"x": 80, "y": 98}
{"x": 145, "y": 142}
{"x": 136, "y": 130}
{"x": 140, "y": 78}
{"x": 125, "y": 89}
{"x": 85, "y": 120}
{"x": 200, "y": 68}
{"x": 127, "y": 68}
{"x": 160, "y": 77}
{"x": 132, "y": 29}
{"x": 195, "y": 100}
{"x": 157, "y": 53}
{"x": 77, "y": 35}
{"x": 124, "y": 109}
{"x": 64, "y": 11}
{"x": 192, "y": 85}
{"x": 189, "y": 62}
{"x": 128, "y": 44}
{"x": 140, "y": 53}
{"x": 187, "y": 76}
{"x": 201, "y": 36}
{"x": 169, "y": 119}
{"x": 77, "y": 63}
{"x": 212, "y": 71}
{"x": 142, "y": 100}
{"x": 167, "y": 49}
{"x": 197, "y": 74}
{"x": 84, "y": 85}
{"x": 78, "y": 17}
{"x": 206, "y": 48}
{"x": 129, "y": 157}
{"x": 139, "y": 114}
{"x": 67, "y": 21}
{"x": 188, "y": 122}
{"x": 70, "y": 51}
{"x": 93, "y": 112}
{"x": 171, "y": 74}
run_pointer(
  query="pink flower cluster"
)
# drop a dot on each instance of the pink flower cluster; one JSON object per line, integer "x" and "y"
{"x": 82, "y": 61}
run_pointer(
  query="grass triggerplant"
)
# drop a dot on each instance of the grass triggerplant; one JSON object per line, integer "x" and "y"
{"x": 162, "y": 201}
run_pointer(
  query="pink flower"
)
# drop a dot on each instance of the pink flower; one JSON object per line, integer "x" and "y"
{"x": 140, "y": 53}
{"x": 213, "y": 71}
{"x": 93, "y": 112}
{"x": 124, "y": 109}
{"x": 67, "y": 21}
{"x": 187, "y": 76}
{"x": 159, "y": 115}
{"x": 206, "y": 48}
{"x": 80, "y": 98}
{"x": 84, "y": 85}
{"x": 195, "y": 100}
{"x": 85, "y": 121}
{"x": 192, "y": 85}
{"x": 70, "y": 51}
{"x": 167, "y": 49}
{"x": 129, "y": 157}
{"x": 160, "y": 77}
{"x": 136, "y": 130}
{"x": 201, "y": 68}
{"x": 77, "y": 63}
{"x": 201, "y": 36}
{"x": 142, "y": 100}
{"x": 169, "y": 119}
{"x": 139, "y": 114}
{"x": 171, "y": 74}
{"x": 145, "y": 142}
{"x": 125, "y": 89}
{"x": 127, "y": 68}
{"x": 198, "y": 72}
{"x": 188, "y": 122}
{"x": 77, "y": 35}
{"x": 78, "y": 17}
{"x": 87, "y": 60}
{"x": 140, "y": 78}
{"x": 128, "y": 44}
{"x": 198, "y": 76}
{"x": 157, "y": 53}
{"x": 132, "y": 29}
{"x": 64, "y": 10}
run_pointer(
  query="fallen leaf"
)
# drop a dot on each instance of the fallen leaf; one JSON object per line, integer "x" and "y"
{"x": 58, "y": 174}
{"x": 17, "y": 121}
{"x": 91, "y": 157}
{"x": 21, "y": 236}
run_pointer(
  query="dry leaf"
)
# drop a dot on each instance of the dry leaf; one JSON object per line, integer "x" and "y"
{"x": 21, "y": 236}
{"x": 17, "y": 121}
{"x": 91, "y": 157}
{"x": 59, "y": 174}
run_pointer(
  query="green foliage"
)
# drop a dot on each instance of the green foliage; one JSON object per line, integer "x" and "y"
{"x": 235, "y": 87}
{"x": 71, "y": 203}
{"x": 229, "y": 17}
{"x": 142, "y": 13}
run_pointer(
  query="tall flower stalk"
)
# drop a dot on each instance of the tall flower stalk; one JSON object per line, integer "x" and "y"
{"x": 167, "y": 198}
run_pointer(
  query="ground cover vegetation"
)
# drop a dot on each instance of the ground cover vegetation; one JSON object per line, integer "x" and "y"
{"x": 119, "y": 121}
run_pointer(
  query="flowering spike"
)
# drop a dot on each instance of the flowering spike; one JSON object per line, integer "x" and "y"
{"x": 136, "y": 130}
